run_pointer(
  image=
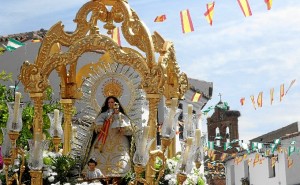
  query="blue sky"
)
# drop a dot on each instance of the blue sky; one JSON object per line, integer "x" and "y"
{"x": 241, "y": 56}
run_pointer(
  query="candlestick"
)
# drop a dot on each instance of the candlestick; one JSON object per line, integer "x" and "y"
{"x": 187, "y": 150}
{"x": 16, "y": 107}
{"x": 197, "y": 137}
{"x": 145, "y": 138}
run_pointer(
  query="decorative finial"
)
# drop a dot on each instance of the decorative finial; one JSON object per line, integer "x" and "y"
{"x": 220, "y": 96}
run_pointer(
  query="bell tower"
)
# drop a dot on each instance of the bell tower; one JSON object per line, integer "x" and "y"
{"x": 223, "y": 125}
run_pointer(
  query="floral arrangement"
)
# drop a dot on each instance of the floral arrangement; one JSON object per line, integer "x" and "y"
{"x": 169, "y": 177}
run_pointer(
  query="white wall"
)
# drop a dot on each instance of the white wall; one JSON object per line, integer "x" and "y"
{"x": 259, "y": 174}
{"x": 293, "y": 173}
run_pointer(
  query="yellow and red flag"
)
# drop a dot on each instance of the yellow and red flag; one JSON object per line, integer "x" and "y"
{"x": 273, "y": 161}
{"x": 253, "y": 101}
{"x": 281, "y": 91}
{"x": 256, "y": 159}
{"x": 196, "y": 97}
{"x": 116, "y": 36}
{"x": 290, "y": 162}
{"x": 272, "y": 95}
{"x": 186, "y": 21}
{"x": 242, "y": 100}
{"x": 160, "y": 18}
{"x": 36, "y": 40}
{"x": 269, "y": 4}
{"x": 292, "y": 82}
{"x": 223, "y": 156}
{"x": 209, "y": 14}
{"x": 259, "y": 99}
{"x": 245, "y": 7}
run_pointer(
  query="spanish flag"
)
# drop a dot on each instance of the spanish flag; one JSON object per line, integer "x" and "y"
{"x": 281, "y": 91}
{"x": 209, "y": 14}
{"x": 290, "y": 162}
{"x": 245, "y": 7}
{"x": 186, "y": 21}
{"x": 272, "y": 95}
{"x": 160, "y": 18}
{"x": 259, "y": 99}
{"x": 36, "y": 40}
{"x": 223, "y": 157}
{"x": 116, "y": 36}
{"x": 242, "y": 100}
{"x": 253, "y": 101}
{"x": 196, "y": 97}
{"x": 269, "y": 4}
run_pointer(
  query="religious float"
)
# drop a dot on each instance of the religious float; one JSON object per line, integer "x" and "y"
{"x": 139, "y": 76}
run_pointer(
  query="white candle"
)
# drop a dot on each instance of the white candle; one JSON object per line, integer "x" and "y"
{"x": 197, "y": 137}
{"x": 174, "y": 103}
{"x": 172, "y": 111}
{"x": 16, "y": 106}
{"x": 187, "y": 150}
{"x": 190, "y": 109}
{"x": 145, "y": 138}
{"x": 56, "y": 118}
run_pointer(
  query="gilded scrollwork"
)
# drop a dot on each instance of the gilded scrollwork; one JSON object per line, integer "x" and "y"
{"x": 158, "y": 42}
{"x": 32, "y": 78}
{"x": 183, "y": 84}
{"x": 134, "y": 31}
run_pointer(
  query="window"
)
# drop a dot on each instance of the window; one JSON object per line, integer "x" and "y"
{"x": 271, "y": 169}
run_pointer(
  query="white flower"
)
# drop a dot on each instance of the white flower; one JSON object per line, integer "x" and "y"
{"x": 58, "y": 183}
{"x": 46, "y": 173}
{"x": 54, "y": 173}
{"x": 51, "y": 178}
{"x": 168, "y": 177}
{"x": 67, "y": 183}
{"x": 172, "y": 181}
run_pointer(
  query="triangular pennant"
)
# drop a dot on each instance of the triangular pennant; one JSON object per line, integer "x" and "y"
{"x": 242, "y": 101}
{"x": 271, "y": 95}
{"x": 269, "y": 4}
{"x": 209, "y": 14}
{"x": 259, "y": 99}
{"x": 253, "y": 101}
{"x": 292, "y": 82}
{"x": 160, "y": 18}
{"x": 281, "y": 91}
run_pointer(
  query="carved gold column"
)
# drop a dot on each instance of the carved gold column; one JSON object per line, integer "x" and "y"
{"x": 67, "y": 105}
{"x": 38, "y": 115}
{"x": 36, "y": 177}
{"x": 152, "y": 122}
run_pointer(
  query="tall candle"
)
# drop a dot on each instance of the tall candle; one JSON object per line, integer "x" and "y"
{"x": 187, "y": 150}
{"x": 172, "y": 111}
{"x": 190, "y": 109}
{"x": 197, "y": 137}
{"x": 16, "y": 106}
{"x": 56, "y": 118}
{"x": 145, "y": 138}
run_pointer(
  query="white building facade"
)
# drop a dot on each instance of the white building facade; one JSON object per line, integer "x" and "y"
{"x": 263, "y": 173}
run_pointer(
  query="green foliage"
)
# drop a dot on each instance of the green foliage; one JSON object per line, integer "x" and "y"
{"x": 63, "y": 165}
{"x": 5, "y": 77}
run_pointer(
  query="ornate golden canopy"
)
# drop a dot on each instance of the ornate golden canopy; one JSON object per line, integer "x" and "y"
{"x": 158, "y": 76}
